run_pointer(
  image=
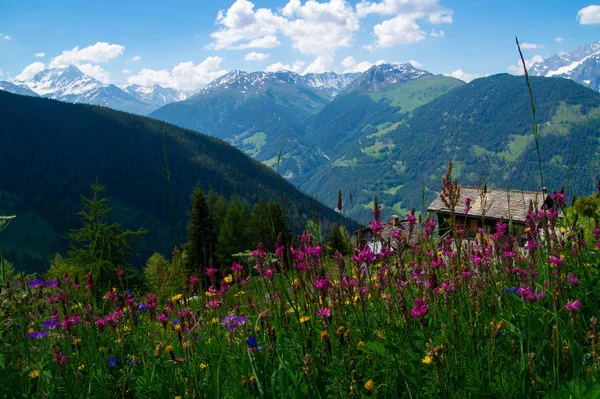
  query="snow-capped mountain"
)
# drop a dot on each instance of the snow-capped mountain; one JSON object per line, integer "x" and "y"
{"x": 384, "y": 76}
{"x": 581, "y": 65}
{"x": 72, "y": 85}
{"x": 327, "y": 84}
{"x": 156, "y": 95}
{"x": 17, "y": 89}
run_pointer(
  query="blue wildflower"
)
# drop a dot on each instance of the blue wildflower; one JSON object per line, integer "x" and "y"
{"x": 50, "y": 324}
{"x": 37, "y": 335}
{"x": 112, "y": 362}
{"x": 142, "y": 307}
{"x": 251, "y": 342}
{"x": 53, "y": 283}
{"x": 35, "y": 283}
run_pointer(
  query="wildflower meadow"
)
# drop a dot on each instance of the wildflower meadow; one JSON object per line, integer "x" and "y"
{"x": 432, "y": 317}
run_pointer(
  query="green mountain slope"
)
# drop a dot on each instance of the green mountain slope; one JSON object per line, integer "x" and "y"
{"x": 53, "y": 151}
{"x": 484, "y": 126}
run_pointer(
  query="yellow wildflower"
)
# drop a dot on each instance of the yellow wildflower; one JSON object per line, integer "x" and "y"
{"x": 340, "y": 330}
{"x": 369, "y": 385}
{"x": 177, "y": 397}
{"x": 361, "y": 345}
{"x": 324, "y": 335}
{"x": 208, "y": 294}
{"x": 77, "y": 341}
{"x": 119, "y": 341}
{"x": 290, "y": 310}
{"x": 203, "y": 366}
{"x": 178, "y": 328}
{"x": 427, "y": 360}
{"x": 228, "y": 279}
{"x": 176, "y": 297}
{"x": 30, "y": 330}
{"x": 380, "y": 335}
{"x": 304, "y": 319}
{"x": 214, "y": 320}
{"x": 296, "y": 282}
{"x": 34, "y": 374}
{"x": 562, "y": 230}
{"x": 169, "y": 348}
{"x": 237, "y": 294}
{"x": 257, "y": 329}
{"x": 126, "y": 328}
{"x": 81, "y": 367}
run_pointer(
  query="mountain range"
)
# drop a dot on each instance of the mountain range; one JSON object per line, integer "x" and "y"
{"x": 71, "y": 85}
{"x": 388, "y": 131}
{"x": 581, "y": 65}
{"x": 57, "y": 150}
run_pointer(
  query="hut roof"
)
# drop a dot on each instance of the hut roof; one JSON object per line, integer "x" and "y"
{"x": 498, "y": 203}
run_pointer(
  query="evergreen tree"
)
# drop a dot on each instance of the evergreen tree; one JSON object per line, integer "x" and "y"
{"x": 100, "y": 247}
{"x": 337, "y": 240}
{"x": 202, "y": 239}
{"x": 236, "y": 232}
{"x": 217, "y": 205}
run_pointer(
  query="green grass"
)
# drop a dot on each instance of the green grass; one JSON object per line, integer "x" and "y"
{"x": 383, "y": 129}
{"x": 418, "y": 92}
{"x": 253, "y": 144}
{"x": 393, "y": 190}
{"x": 379, "y": 149}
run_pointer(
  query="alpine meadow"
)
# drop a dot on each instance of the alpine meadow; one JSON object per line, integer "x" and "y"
{"x": 300, "y": 199}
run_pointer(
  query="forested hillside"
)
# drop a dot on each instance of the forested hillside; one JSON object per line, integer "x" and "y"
{"x": 484, "y": 127}
{"x": 52, "y": 152}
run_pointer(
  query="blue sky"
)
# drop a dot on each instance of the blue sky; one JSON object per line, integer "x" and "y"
{"x": 185, "y": 44}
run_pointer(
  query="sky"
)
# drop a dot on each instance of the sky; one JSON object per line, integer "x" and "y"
{"x": 187, "y": 44}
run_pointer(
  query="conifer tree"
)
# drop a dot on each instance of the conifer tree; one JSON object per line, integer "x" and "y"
{"x": 100, "y": 247}
{"x": 200, "y": 247}
{"x": 337, "y": 240}
{"x": 236, "y": 232}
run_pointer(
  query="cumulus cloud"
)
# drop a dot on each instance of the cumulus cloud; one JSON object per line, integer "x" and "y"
{"x": 95, "y": 71}
{"x": 559, "y": 39}
{"x": 4, "y": 36}
{"x": 517, "y": 69}
{"x": 126, "y": 71}
{"x": 399, "y": 30}
{"x": 184, "y": 76}
{"x": 403, "y": 27}
{"x": 98, "y": 53}
{"x": 315, "y": 28}
{"x": 322, "y": 63}
{"x": 278, "y": 67}
{"x": 351, "y": 65}
{"x": 40, "y": 55}
{"x": 415, "y": 63}
{"x": 136, "y": 58}
{"x": 530, "y": 46}
{"x": 437, "y": 33}
{"x": 462, "y": 75}
{"x": 589, "y": 15}
{"x": 30, "y": 71}
{"x": 254, "y": 56}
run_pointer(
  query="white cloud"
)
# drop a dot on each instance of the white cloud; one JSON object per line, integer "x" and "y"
{"x": 95, "y": 71}
{"x": 4, "y": 36}
{"x": 403, "y": 27}
{"x": 351, "y": 65}
{"x": 589, "y": 15}
{"x": 254, "y": 56}
{"x": 126, "y": 71}
{"x": 278, "y": 67}
{"x": 30, "y": 71}
{"x": 40, "y": 55}
{"x": 315, "y": 28}
{"x": 240, "y": 23}
{"x": 1, "y": 72}
{"x": 136, "y": 58}
{"x": 98, "y": 53}
{"x": 437, "y": 33}
{"x": 184, "y": 76}
{"x": 415, "y": 9}
{"x": 530, "y": 46}
{"x": 462, "y": 75}
{"x": 262, "y": 42}
{"x": 517, "y": 69}
{"x": 399, "y": 30}
{"x": 322, "y": 63}
{"x": 559, "y": 39}
{"x": 416, "y": 64}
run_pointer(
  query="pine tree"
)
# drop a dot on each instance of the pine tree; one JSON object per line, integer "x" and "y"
{"x": 100, "y": 247}
{"x": 202, "y": 239}
{"x": 337, "y": 240}
{"x": 217, "y": 205}
{"x": 236, "y": 232}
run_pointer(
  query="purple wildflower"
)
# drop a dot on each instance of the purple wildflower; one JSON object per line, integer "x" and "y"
{"x": 420, "y": 309}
